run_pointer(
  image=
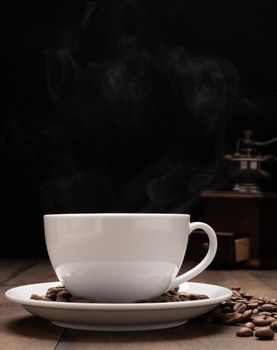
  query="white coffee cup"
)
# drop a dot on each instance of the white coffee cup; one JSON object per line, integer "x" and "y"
{"x": 122, "y": 258}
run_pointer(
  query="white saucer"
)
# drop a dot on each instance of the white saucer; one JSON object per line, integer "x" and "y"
{"x": 119, "y": 317}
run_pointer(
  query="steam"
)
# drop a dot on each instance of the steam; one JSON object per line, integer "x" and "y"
{"x": 149, "y": 113}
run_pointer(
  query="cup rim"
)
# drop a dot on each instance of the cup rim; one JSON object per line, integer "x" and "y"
{"x": 118, "y": 215}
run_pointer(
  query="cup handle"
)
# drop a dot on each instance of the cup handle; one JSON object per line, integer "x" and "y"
{"x": 207, "y": 259}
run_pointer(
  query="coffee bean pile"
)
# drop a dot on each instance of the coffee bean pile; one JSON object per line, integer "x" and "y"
{"x": 174, "y": 295}
{"x": 62, "y": 295}
{"x": 59, "y": 294}
{"x": 255, "y": 315}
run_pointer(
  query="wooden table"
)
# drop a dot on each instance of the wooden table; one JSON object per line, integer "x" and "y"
{"x": 20, "y": 330}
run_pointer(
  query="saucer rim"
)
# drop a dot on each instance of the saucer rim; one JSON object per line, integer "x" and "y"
{"x": 225, "y": 294}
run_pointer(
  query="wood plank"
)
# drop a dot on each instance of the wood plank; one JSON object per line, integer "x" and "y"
{"x": 212, "y": 276}
{"x": 259, "y": 283}
{"x": 254, "y": 285}
{"x": 191, "y": 336}
{"x": 40, "y": 272}
{"x": 219, "y": 277}
{"x": 10, "y": 268}
{"x": 269, "y": 277}
{"x": 20, "y": 330}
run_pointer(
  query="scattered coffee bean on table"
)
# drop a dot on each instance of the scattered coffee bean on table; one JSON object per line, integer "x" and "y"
{"x": 265, "y": 333}
{"x": 255, "y": 315}
{"x": 245, "y": 332}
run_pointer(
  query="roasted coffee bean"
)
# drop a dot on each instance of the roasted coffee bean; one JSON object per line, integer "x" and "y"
{"x": 40, "y": 297}
{"x": 191, "y": 296}
{"x": 202, "y": 296}
{"x": 228, "y": 303}
{"x": 237, "y": 288}
{"x": 260, "y": 322}
{"x": 255, "y": 311}
{"x": 231, "y": 318}
{"x": 273, "y": 326}
{"x": 258, "y": 315}
{"x": 266, "y": 300}
{"x": 264, "y": 333}
{"x": 249, "y": 325}
{"x": 173, "y": 298}
{"x": 268, "y": 307}
{"x": 236, "y": 292}
{"x": 61, "y": 299}
{"x": 227, "y": 309}
{"x": 36, "y": 297}
{"x": 245, "y": 332}
{"x": 173, "y": 291}
{"x": 239, "y": 307}
{"x": 270, "y": 319}
{"x": 64, "y": 294}
{"x": 252, "y": 305}
{"x": 79, "y": 300}
{"x": 162, "y": 299}
{"x": 52, "y": 296}
{"x": 183, "y": 297}
{"x": 258, "y": 301}
{"x": 55, "y": 289}
{"x": 264, "y": 313}
{"x": 241, "y": 300}
{"x": 248, "y": 296}
{"x": 246, "y": 315}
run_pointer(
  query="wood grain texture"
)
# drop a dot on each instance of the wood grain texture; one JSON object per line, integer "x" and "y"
{"x": 194, "y": 336}
{"x": 223, "y": 278}
{"x": 268, "y": 277}
{"x": 254, "y": 285}
{"x": 10, "y": 268}
{"x": 20, "y": 330}
{"x": 39, "y": 272}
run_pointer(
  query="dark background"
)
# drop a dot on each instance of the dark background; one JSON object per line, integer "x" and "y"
{"x": 127, "y": 106}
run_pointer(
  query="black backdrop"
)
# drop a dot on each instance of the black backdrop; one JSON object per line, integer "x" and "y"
{"x": 126, "y": 106}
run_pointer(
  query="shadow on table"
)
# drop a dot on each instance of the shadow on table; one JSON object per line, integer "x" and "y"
{"x": 30, "y": 326}
{"x": 189, "y": 331}
{"x": 34, "y": 327}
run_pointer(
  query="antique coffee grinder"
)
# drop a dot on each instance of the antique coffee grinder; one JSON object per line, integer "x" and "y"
{"x": 248, "y": 166}
{"x": 244, "y": 216}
